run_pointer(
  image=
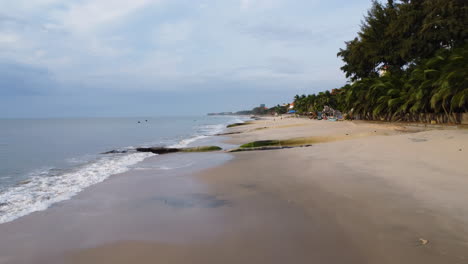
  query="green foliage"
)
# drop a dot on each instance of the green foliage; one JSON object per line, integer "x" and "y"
{"x": 315, "y": 102}
{"x": 261, "y": 143}
{"x": 259, "y": 110}
{"x": 280, "y": 109}
{"x": 409, "y": 62}
{"x": 437, "y": 85}
{"x": 450, "y": 81}
{"x": 202, "y": 149}
{"x": 292, "y": 142}
{"x": 401, "y": 33}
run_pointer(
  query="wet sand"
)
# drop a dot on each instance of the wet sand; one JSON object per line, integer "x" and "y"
{"x": 151, "y": 203}
{"x": 377, "y": 195}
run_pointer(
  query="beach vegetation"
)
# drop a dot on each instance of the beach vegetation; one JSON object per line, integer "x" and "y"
{"x": 292, "y": 142}
{"x": 239, "y": 124}
{"x": 201, "y": 149}
{"x": 279, "y": 109}
{"x": 262, "y": 143}
{"x": 236, "y": 125}
{"x": 408, "y": 62}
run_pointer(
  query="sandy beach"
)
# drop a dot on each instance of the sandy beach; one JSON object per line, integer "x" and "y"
{"x": 233, "y": 132}
{"x": 361, "y": 193}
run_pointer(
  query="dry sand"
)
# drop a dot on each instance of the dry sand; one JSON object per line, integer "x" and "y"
{"x": 377, "y": 194}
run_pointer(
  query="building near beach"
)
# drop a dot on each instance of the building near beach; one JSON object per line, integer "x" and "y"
{"x": 383, "y": 70}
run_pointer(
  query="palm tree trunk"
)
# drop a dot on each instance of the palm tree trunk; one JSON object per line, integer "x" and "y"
{"x": 445, "y": 110}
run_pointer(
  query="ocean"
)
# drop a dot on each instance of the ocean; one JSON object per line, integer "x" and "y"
{"x": 45, "y": 161}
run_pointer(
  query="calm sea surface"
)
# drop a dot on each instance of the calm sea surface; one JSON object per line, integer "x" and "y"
{"x": 43, "y": 161}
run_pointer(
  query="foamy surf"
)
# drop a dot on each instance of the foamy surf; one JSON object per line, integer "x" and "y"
{"x": 202, "y": 132}
{"x": 39, "y": 192}
{"x": 186, "y": 142}
{"x": 47, "y": 186}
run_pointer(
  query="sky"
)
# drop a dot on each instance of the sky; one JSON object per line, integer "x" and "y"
{"x": 85, "y": 58}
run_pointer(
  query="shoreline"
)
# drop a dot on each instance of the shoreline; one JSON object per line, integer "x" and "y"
{"x": 370, "y": 198}
{"x": 275, "y": 200}
{"x": 58, "y": 178}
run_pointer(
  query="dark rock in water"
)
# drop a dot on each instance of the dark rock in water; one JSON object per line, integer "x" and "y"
{"x": 201, "y": 149}
{"x": 158, "y": 150}
{"x": 271, "y": 147}
{"x": 229, "y": 133}
{"x": 115, "y": 152}
{"x": 162, "y": 150}
{"x": 24, "y": 182}
{"x": 3, "y": 204}
{"x": 236, "y": 124}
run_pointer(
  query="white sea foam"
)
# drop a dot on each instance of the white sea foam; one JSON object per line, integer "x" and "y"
{"x": 49, "y": 185}
{"x": 239, "y": 120}
{"x": 202, "y": 132}
{"x": 186, "y": 142}
{"x": 214, "y": 129}
{"x": 39, "y": 192}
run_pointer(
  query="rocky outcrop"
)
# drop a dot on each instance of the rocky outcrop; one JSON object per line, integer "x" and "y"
{"x": 166, "y": 150}
{"x": 163, "y": 150}
{"x": 266, "y": 148}
{"x": 158, "y": 150}
{"x": 240, "y": 124}
{"x": 236, "y": 125}
{"x": 115, "y": 152}
{"x": 201, "y": 149}
{"x": 228, "y": 133}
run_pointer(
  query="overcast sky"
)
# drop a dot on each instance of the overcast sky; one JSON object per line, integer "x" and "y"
{"x": 155, "y": 57}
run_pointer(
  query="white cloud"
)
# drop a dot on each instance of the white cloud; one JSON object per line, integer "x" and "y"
{"x": 8, "y": 38}
{"x": 177, "y": 40}
{"x": 245, "y": 4}
{"x": 91, "y": 15}
{"x": 76, "y": 28}
{"x": 173, "y": 33}
{"x": 259, "y": 4}
{"x": 22, "y": 7}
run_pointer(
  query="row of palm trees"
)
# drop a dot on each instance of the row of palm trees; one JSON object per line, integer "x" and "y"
{"x": 433, "y": 89}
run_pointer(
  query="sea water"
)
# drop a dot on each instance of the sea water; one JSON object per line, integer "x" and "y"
{"x": 45, "y": 161}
